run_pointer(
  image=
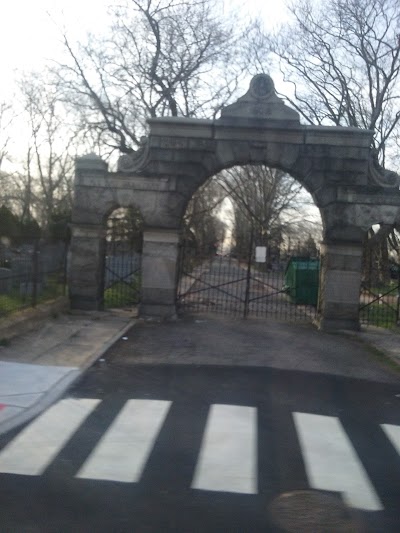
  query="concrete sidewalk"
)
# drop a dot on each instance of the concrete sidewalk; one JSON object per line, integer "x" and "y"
{"x": 38, "y": 367}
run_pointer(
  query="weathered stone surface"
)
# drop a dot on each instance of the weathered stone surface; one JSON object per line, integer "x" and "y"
{"x": 90, "y": 162}
{"x": 381, "y": 176}
{"x": 337, "y": 136}
{"x": 340, "y": 279}
{"x": 86, "y": 267}
{"x": 173, "y": 127}
{"x": 335, "y": 165}
{"x": 260, "y": 102}
{"x": 342, "y": 286}
{"x": 159, "y": 270}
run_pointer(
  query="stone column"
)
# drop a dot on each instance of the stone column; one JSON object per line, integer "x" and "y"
{"x": 86, "y": 253}
{"x": 159, "y": 273}
{"x": 340, "y": 280}
{"x": 86, "y": 267}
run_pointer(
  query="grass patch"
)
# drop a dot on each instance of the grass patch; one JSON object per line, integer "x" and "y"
{"x": 383, "y": 289}
{"x": 9, "y": 303}
{"x": 373, "y": 352}
{"x": 16, "y": 300}
{"x": 380, "y": 356}
{"x": 380, "y": 315}
{"x": 54, "y": 288}
{"x": 123, "y": 294}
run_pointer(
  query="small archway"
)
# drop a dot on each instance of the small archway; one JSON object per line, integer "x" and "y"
{"x": 334, "y": 164}
{"x": 123, "y": 258}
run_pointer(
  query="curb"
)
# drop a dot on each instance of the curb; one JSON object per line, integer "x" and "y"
{"x": 60, "y": 388}
{"x": 91, "y": 360}
{"x": 385, "y": 352}
{"x": 30, "y": 318}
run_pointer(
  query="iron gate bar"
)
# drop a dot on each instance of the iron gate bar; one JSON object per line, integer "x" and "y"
{"x": 255, "y": 293}
{"x": 266, "y": 296}
{"x": 217, "y": 287}
{"x": 122, "y": 279}
{"x": 280, "y": 291}
{"x": 248, "y": 274}
{"x": 262, "y": 282}
{"x": 379, "y": 298}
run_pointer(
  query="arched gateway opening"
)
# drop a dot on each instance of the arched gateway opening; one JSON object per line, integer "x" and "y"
{"x": 250, "y": 247}
{"x": 334, "y": 164}
{"x": 123, "y": 258}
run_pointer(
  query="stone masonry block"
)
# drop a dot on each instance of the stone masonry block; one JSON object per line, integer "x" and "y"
{"x": 181, "y": 127}
{"x": 336, "y": 311}
{"x": 158, "y": 296}
{"x": 337, "y": 136}
{"x": 342, "y": 287}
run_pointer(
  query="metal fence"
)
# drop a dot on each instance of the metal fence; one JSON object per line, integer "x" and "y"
{"x": 122, "y": 278}
{"x": 243, "y": 287}
{"x": 30, "y": 275}
{"x": 282, "y": 290}
{"x": 380, "y": 296}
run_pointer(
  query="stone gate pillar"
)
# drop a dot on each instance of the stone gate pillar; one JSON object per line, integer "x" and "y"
{"x": 86, "y": 267}
{"x": 86, "y": 253}
{"x": 339, "y": 294}
{"x": 159, "y": 272}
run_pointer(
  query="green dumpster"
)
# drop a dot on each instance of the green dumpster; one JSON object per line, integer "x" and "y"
{"x": 302, "y": 280}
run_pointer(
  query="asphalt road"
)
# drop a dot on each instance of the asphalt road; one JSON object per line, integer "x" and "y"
{"x": 191, "y": 447}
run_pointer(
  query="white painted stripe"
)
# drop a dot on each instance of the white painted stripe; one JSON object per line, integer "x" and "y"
{"x": 122, "y": 452}
{"x": 228, "y": 455}
{"x": 37, "y": 445}
{"x": 393, "y": 434}
{"x": 331, "y": 462}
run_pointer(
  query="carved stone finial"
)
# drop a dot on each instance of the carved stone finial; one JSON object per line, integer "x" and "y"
{"x": 261, "y": 102}
{"x": 262, "y": 86}
{"x": 380, "y": 176}
{"x": 137, "y": 160}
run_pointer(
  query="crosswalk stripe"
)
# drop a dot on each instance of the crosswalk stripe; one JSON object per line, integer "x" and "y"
{"x": 393, "y": 434}
{"x": 228, "y": 455}
{"x": 331, "y": 462}
{"x": 32, "y": 450}
{"x": 122, "y": 452}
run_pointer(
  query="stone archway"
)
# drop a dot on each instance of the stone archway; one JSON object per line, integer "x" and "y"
{"x": 334, "y": 164}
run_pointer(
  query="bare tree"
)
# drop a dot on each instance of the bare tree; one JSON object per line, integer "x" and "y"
{"x": 7, "y": 116}
{"x": 269, "y": 206}
{"x": 159, "y": 58}
{"x": 203, "y": 226}
{"x": 46, "y": 179}
{"x": 343, "y": 60}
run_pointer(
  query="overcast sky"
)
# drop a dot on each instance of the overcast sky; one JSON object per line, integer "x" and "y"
{"x": 30, "y": 29}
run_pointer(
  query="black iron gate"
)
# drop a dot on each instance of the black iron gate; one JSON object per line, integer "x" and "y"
{"x": 226, "y": 284}
{"x": 380, "y": 295}
{"x": 122, "y": 267}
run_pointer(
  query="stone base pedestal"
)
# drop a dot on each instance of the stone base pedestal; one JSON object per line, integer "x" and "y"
{"x": 159, "y": 273}
{"x": 157, "y": 311}
{"x": 339, "y": 296}
{"x": 331, "y": 324}
{"x": 86, "y": 268}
